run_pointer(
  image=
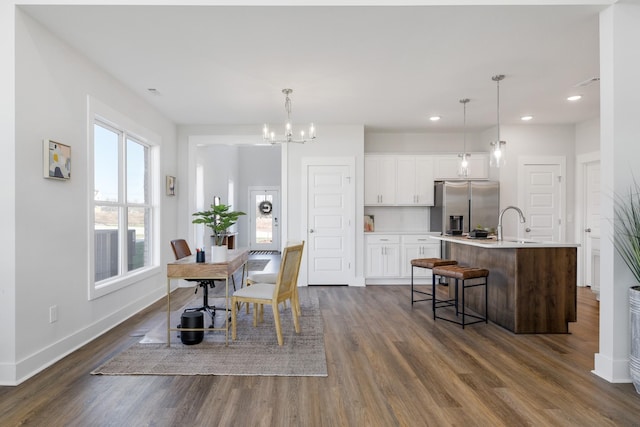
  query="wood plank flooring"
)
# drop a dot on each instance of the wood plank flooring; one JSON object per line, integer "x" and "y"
{"x": 389, "y": 365}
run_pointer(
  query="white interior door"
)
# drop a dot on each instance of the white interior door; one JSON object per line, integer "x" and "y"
{"x": 328, "y": 222}
{"x": 592, "y": 225}
{"x": 264, "y": 214}
{"x": 541, "y": 192}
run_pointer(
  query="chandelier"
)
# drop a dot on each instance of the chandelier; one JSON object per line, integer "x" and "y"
{"x": 271, "y": 137}
{"x": 463, "y": 168}
{"x": 498, "y": 146}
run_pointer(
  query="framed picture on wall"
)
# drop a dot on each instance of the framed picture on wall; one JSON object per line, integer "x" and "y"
{"x": 56, "y": 160}
{"x": 171, "y": 185}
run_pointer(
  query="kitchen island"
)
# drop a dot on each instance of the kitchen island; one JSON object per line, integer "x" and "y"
{"x": 532, "y": 285}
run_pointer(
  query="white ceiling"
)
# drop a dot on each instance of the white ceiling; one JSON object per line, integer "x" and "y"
{"x": 388, "y": 68}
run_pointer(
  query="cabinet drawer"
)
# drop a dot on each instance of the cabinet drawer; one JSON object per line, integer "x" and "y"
{"x": 383, "y": 239}
{"x": 419, "y": 239}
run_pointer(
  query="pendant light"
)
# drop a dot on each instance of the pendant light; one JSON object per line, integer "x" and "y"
{"x": 498, "y": 146}
{"x": 463, "y": 167}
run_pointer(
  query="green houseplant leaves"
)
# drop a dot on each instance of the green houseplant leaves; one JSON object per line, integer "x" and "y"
{"x": 219, "y": 218}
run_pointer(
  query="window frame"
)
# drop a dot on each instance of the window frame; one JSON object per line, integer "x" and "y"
{"x": 101, "y": 114}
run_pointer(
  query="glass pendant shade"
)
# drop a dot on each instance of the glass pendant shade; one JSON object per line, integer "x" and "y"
{"x": 463, "y": 166}
{"x": 497, "y": 157}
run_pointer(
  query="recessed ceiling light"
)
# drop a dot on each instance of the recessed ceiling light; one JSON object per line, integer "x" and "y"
{"x": 574, "y": 98}
{"x": 434, "y": 118}
{"x": 526, "y": 118}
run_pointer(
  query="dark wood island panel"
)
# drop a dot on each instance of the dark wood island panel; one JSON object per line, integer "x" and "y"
{"x": 531, "y": 289}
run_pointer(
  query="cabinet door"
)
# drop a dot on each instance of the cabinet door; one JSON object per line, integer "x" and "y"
{"x": 406, "y": 180}
{"x": 375, "y": 261}
{"x": 383, "y": 261}
{"x": 413, "y": 251}
{"x": 379, "y": 180}
{"x": 392, "y": 261}
{"x": 445, "y": 167}
{"x": 424, "y": 180}
{"x": 414, "y": 180}
{"x": 409, "y": 252}
{"x": 479, "y": 166}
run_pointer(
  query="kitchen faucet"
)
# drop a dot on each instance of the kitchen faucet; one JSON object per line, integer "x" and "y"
{"x": 522, "y": 219}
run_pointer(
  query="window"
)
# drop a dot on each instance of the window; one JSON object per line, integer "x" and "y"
{"x": 122, "y": 212}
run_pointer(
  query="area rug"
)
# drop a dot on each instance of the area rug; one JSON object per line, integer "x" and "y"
{"x": 255, "y": 352}
{"x": 257, "y": 264}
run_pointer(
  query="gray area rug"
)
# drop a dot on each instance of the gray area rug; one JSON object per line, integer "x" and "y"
{"x": 255, "y": 352}
{"x": 257, "y": 264}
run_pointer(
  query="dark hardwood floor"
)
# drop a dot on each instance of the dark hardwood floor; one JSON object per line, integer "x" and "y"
{"x": 389, "y": 364}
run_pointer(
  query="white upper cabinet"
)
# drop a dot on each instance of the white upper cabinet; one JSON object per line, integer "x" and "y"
{"x": 445, "y": 167}
{"x": 415, "y": 180}
{"x": 398, "y": 180}
{"x": 379, "y": 180}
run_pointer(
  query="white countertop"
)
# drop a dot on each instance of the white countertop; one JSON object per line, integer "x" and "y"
{"x": 507, "y": 242}
{"x": 422, "y": 233}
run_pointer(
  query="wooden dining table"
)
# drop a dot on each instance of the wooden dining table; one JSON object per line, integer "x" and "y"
{"x": 188, "y": 268}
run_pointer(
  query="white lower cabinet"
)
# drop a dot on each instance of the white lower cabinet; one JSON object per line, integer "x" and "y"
{"x": 390, "y": 255}
{"x": 418, "y": 247}
{"x": 383, "y": 256}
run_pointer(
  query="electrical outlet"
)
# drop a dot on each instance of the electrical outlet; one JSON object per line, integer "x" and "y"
{"x": 53, "y": 313}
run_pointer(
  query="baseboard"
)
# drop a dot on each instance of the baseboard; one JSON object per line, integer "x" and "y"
{"x": 612, "y": 370}
{"x": 37, "y": 362}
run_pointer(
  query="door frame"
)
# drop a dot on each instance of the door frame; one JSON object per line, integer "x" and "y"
{"x": 551, "y": 161}
{"x": 582, "y": 160}
{"x": 351, "y": 216}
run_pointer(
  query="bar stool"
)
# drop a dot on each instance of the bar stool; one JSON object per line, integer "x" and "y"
{"x": 461, "y": 274}
{"x": 428, "y": 263}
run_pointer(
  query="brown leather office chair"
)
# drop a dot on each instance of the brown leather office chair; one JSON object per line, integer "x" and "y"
{"x": 180, "y": 250}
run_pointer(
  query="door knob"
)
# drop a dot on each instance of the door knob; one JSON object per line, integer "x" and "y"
{"x": 311, "y": 230}
{"x": 527, "y": 229}
{"x": 588, "y": 230}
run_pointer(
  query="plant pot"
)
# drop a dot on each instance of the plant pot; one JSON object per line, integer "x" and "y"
{"x": 634, "y": 320}
{"x": 219, "y": 253}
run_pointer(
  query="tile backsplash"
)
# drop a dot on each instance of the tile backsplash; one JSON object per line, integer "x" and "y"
{"x": 399, "y": 218}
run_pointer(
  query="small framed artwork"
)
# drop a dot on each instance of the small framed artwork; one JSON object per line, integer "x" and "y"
{"x": 171, "y": 185}
{"x": 56, "y": 160}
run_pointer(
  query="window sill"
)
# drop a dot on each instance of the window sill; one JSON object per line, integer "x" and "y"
{"x": 109, "y": 286}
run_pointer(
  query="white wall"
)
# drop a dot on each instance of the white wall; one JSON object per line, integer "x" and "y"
{"x": 427, "y": 143}
{"x": 535, "y": 140}
{"x": 246, "y": 166}
{"x": 588, "y": 136}
{"x": 52, "y": 231}
{"x": 7, "y": 195}
{"x": 619, "y": 153}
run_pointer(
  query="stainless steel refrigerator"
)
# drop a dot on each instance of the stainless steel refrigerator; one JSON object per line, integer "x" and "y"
{"x": 465, "y": 205}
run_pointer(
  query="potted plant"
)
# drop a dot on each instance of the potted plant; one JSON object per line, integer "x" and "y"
{"x": 627, "y": 243}
{"x": 219, "y": 218}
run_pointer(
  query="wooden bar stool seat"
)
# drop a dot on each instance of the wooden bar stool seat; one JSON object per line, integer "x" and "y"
{"x": 428, "y": 263}
{"x": 461, "y": 275}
